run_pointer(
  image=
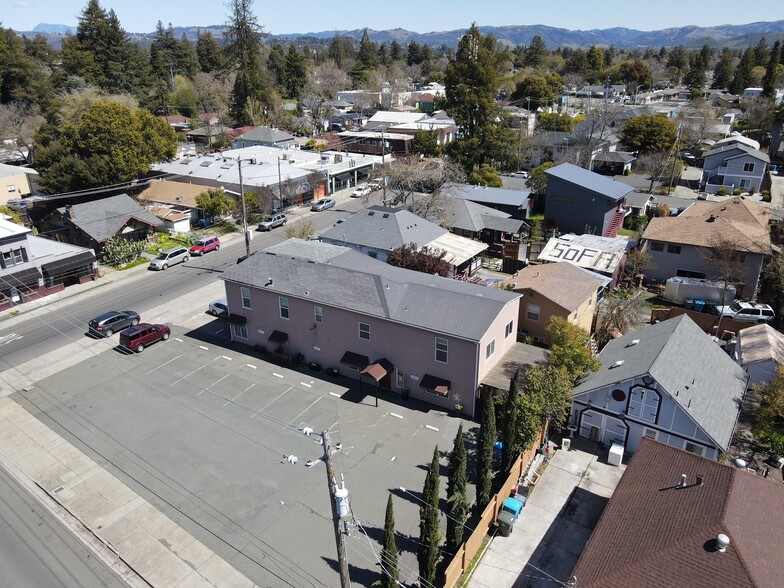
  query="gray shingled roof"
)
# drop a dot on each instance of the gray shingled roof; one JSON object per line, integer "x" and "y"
{"x": 266, "y": 135}
{"x": 683, "y": 360}
{"x": 102, "y": 219}
{"x": 590, "y": 181}
{"x": 365, "y": 285}
{"x": 384, "y": 229}
{"x": 500, "y": 196}
{"x": 470, "y": 216}
{"x": 740, "y": 147}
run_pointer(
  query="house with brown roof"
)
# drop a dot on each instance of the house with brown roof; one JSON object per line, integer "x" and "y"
{"x": 173, "y": 201}
{"x": 677, "y": 519}
{"x": 760, "y": 352}
{"x": 687, "y": 246}
{"x": 554, "y": 289}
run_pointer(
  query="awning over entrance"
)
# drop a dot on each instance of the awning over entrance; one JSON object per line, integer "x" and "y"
{"x": 21, "y": 278}
{"x": 67, "y": 264}
{"x": 355, "y": 360}
{"x": 237, "y": 319}
{"x": 378, "y": 369}
{"x": 435, "y": 384}
{"x": 278, "y": 337}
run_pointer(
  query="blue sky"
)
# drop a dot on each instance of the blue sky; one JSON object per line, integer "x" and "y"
{"x": 415, "y": 15}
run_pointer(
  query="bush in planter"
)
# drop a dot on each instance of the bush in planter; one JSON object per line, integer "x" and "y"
{"x": 722, "y": 192}
{"x": 766, "y": 195}
{"x": 736, "y": 192}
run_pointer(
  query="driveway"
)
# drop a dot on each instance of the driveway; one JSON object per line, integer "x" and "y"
{"x": 561, "y": 512}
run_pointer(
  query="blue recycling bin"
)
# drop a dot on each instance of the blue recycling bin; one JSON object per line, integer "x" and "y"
{"x": 699, "y": 305}
{"x": 513, "y": 506}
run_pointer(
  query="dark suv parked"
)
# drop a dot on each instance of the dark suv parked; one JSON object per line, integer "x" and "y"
{"x": 138, "y": 337}
{"x": 114, "y": 321}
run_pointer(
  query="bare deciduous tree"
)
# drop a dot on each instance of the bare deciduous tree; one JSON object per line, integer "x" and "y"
{"x": 412, "y": 180}
{"x": 620, "y": 312}
{"x": 19, "y": 121}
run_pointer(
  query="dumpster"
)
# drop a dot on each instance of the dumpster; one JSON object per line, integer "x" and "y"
{"x": 513, "y": 506}
{"x": 506, "y": 521}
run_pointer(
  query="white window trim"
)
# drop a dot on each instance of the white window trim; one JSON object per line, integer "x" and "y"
{"x": 318, "y": 314}
{"x": 281, "y": 307}
{"x": 445, "y": 351}
{"x": 645, "y": 431}
{"x": 360, "y": 331}
{"x": 490, "y": 349}
{"x": 237, "y": 331}
{"x": 243, "y": 291}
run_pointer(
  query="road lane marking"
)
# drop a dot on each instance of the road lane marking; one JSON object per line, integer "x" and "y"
{"x": 6, "y": 339}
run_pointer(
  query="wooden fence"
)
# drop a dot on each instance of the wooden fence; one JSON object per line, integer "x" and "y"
{"x": 707, "y": 322}
{"x": 468, "y": 550}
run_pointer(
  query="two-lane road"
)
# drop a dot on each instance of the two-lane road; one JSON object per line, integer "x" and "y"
{"x": 36, "y": 550}
{"x": 51, "y": 329}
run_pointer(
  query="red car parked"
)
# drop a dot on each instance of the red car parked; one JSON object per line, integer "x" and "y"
{"x": 138, "y": 337}
{"x": 205, "y": 245}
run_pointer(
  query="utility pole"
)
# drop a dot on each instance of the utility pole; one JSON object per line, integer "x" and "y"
{"x": 280, "y": 186}
{"x": 340, "y": 539}
{"x": 244, "y": 213}
{"x": 383, "y": 169}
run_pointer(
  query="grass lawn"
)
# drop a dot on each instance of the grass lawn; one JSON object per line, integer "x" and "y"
{"x": 627, "y": 232}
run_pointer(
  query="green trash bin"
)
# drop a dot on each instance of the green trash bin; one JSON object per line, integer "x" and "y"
{"x": 506, "y": 521}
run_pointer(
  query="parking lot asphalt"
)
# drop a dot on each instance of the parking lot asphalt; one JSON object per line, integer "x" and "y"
{"x": 186, "y": 443}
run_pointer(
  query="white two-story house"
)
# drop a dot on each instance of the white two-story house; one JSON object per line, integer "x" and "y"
{"x": 732, "y": 165}
{"x": 669, "y": 382}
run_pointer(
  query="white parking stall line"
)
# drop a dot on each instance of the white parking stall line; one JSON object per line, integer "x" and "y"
{"x": 203, "y": 347}
{"x": 306, "y": 385}
{"x": 397, "y": 416}
{"x": 207, "y": 389}
{"x": 178, "y": 340}
{"x": 238, "y": 395}
{"x": 175, "y": 358}
{"x": 251, "y": 366}
{"x": 226, "y": 357}
{"x": 277, "y": 375}
{"x": 335, "y": 394}
{"x": 432, "y": 428}
{"x": 306, "y": 410}
{"x": 271, "y": 401}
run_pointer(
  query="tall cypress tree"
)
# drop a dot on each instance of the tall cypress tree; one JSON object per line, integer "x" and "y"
{"x": 510, "y": 436}
{"x": 456, "y": 493}
{"x": 429, "y": 518}
{"x": 484, "y": 466}
{"x": 390, "y": 571}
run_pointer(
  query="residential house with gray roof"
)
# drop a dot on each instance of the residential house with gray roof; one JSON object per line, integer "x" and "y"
{"x": 91, "y": 224}
{"x": 434, "y": 338}
{"x": 733, "y": 165}
{"x": 378, "y": 230}
{"x": 669, "y": 382}
{"x": 581, "y": 201}
{"x": 32, "y": 267}
{"x": 475, "y": 221}
{"x": 513, "y": 202}
{"x": 265, "y": 137}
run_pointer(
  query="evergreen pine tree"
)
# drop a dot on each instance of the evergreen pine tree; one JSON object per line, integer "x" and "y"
{"x": 769, "y": 79}
{"x": 390, "y": 572}
{"x": 484, "y": 466}
{"x": 510, "y": 436}
{"x": 743, "y": 73}
{"x": 456, "y": 493}
{"x": 429, "y": 520}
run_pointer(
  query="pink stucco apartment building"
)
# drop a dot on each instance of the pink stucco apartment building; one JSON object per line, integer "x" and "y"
{"x": 434, "y": 338}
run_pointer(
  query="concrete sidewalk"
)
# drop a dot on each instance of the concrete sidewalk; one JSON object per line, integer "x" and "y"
{"x": 556, "y": 523}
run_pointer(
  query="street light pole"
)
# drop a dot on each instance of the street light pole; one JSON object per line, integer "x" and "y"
{"x": 244, "y": 213}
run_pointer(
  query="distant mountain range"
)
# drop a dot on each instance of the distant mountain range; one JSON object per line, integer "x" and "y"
{"x": 691, "y": 36}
